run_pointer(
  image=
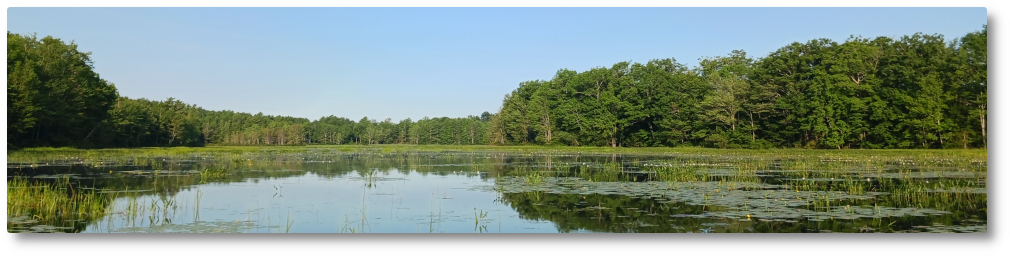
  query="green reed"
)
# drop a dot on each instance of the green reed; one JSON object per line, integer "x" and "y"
{"x": 53, "y": 201}
{"x": 214, "y": 174}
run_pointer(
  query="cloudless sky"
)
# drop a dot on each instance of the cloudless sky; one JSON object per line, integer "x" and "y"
{"x": 417, "y": 62}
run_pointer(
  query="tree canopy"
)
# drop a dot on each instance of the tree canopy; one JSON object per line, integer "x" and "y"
{"x": 917, "y": 91}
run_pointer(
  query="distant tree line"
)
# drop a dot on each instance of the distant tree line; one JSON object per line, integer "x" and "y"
{"x": 914, "y": 92}
{"x": 54, "y": 98}
{"x": 918, "y": 91}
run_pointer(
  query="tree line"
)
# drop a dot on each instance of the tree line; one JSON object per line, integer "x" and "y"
{"x": 54, "y": 98}
{"x": 916, "y": 91}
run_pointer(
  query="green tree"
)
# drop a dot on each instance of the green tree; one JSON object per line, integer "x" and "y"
{"x": 971, "y": 72}
{"x": 729, "y": 91}
{"x": 54, "y": 97}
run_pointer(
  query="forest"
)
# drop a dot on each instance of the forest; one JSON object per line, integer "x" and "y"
{"x": 917, "y": 91}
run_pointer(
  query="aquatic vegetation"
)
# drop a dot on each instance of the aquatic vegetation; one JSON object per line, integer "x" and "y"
{"x": 213, "y": 174}
{"x": 288, "y": 223}
{"x": 42, "y": 204}
{"x": 194, "y": 227}
{"x": 479, "y": 215}
{"x": 577, "y": 189}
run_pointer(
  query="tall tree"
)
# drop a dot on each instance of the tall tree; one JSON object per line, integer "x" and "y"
{"x": 971, "y": 72}
{"x": 54, "y": 97}
{"x": 728, "y": 94}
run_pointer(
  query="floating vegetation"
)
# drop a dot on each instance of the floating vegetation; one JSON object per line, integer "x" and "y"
{"x": 194, "y": 227}
{"x": 25, "y": 224}
{"x": 736, "y": 200}
{"x": 573, "y": 189}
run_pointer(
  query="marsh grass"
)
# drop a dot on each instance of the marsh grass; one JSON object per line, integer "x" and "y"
{"x": 288, "y": 223}
{"x": 479, "y": 215}
{"x": 53, "y": 202}
{"x": 214, "y": 174}
{"x": 970, "y": 159}
{"x": 713, "y": 179}
{"x": 679, "y": 174}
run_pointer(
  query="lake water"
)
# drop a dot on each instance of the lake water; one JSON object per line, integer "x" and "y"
{"x": 329, "y": 191}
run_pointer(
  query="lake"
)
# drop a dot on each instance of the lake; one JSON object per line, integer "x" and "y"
{"x": 496, "y": 190}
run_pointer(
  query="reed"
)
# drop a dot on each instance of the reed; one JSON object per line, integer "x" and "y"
{"x": 214, "y": 174}
{"x": 53, "y": 201}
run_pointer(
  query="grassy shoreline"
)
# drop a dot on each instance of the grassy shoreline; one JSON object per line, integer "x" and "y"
{"x": 50, "y": 154}
{"x": 966, "y": 159}
{"x": 409, "y": 147}
{"x": 941, "y": 180}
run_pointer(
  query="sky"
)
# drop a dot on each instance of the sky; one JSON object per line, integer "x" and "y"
{"x": 415, "y": 62}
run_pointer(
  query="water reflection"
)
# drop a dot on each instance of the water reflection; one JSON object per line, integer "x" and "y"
{"x": 381, "y": 192}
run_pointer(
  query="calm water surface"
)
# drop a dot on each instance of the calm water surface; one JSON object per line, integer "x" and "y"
{"x": 490, "y": 192}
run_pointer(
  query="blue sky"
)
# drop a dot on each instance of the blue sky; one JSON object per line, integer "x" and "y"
{"x": 416, "y": 62}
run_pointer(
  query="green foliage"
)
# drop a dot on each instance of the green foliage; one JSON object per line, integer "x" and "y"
{"x": 51, "y": 203}
{"x": 54, "y": 98}
{"x": 213, "y": 174}
{"x": 144, "y": 123}
{"x": 916, "y": 91}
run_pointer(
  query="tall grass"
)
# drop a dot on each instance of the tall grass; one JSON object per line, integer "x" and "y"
{"x": 214, "y": 174}
{"x": 50, "y": 202}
